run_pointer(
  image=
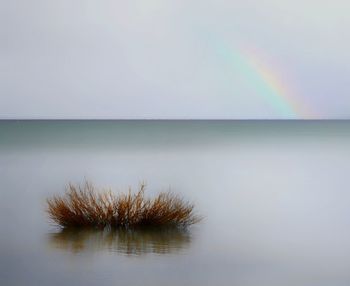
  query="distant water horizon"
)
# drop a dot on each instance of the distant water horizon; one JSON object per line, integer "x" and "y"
{"x": 274, "y": 195}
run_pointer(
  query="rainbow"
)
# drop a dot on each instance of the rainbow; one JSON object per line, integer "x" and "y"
{"x": 264, "y": 80}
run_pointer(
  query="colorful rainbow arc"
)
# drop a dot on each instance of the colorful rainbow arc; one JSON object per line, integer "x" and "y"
{"x": 265, "y": 82}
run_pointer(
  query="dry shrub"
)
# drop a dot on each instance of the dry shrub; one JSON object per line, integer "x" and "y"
{"x": 83, "y": 206}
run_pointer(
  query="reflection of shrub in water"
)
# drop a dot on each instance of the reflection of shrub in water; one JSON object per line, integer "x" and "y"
{"x": 129, "y": 242}
{"x": 83, "y": 206}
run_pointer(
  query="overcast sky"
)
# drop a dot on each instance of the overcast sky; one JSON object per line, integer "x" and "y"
{"x": 174, "y": 59}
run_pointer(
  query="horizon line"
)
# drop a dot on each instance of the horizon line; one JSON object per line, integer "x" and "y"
{"x": 173, "y": 119}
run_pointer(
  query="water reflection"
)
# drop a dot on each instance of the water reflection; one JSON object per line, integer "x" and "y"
{"x": 127, "y": 242}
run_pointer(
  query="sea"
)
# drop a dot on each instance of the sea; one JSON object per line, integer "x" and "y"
{"x": 274, "y": 197}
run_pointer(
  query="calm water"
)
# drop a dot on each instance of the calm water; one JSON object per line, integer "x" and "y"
{"x": 275, "y": 197}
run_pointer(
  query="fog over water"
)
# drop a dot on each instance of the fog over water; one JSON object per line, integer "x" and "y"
{"x": 274, "y": 195}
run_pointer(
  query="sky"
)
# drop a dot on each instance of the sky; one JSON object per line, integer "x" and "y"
{"x": 159, "y": 59}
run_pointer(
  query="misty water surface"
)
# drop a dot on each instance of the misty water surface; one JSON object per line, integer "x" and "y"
{"x": 274, "y": 195}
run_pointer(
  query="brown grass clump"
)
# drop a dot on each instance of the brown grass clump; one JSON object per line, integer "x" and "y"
{"x": 83, "y": 206}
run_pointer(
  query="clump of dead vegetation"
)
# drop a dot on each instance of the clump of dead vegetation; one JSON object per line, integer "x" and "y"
{"x": 84, "y": 206}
